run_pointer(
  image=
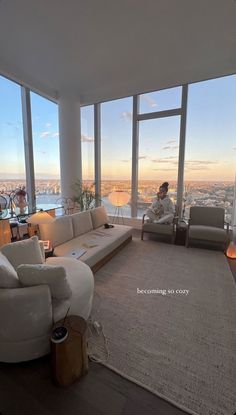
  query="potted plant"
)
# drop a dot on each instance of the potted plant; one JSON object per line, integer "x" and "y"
{"x": 84, "y": 195}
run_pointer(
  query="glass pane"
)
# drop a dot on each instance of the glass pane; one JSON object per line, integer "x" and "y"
{"x": 12, "y": 164}
{"x": 116, "y": 151}
{"x": 211, "y": 144}
{"x": 166, "y": 99}
{"x": 158, "y": 159}
{"x": 87, "y": 140}
{"x": 46, "y": 149}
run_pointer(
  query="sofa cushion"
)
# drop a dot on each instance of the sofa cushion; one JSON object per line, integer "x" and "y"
{"x": 81, "y": 222}
{"x": 54, "y": 276}
{"x": 23, "y": 252}
{"x": 101, "y": 241}
{"x": 8, "y": 275}
{"x": 158, "y": 228}
{"x": 99, "y": 216}
{"x": 207, "y": 233}
{"x": 57, "y": 232}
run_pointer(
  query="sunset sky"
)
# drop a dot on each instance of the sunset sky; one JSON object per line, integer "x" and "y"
{"x": 210, "y": 139}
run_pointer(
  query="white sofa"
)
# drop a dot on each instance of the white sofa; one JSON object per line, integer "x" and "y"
{"x": 27, "y": 313}
{"x": 86, "y": 230}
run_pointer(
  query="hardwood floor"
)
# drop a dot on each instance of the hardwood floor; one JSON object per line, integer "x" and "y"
{"x": 27, "y": 389}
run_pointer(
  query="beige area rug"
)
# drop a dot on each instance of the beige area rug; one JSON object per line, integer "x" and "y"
{"x": 181, "y": 347}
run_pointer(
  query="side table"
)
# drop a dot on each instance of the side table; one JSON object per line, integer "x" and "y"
{"x": 69, "y": 358}
{"x": 48, "y": 252}
{"x": 181, "y": 233}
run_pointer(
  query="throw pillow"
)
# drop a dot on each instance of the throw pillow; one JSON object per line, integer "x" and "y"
{"x": 99, "y": 216}
{"x": 54, "y": 276}
{"x": 8, "y": 275}
{"x": 23, "y": 252}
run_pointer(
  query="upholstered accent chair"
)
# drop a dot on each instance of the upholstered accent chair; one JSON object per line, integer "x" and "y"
{"x": 207, "y": 224}
{"x": 159, "y": 229}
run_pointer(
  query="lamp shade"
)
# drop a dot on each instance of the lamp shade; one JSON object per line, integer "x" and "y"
{"x": 231, "y": 250}
{"x": 40, "y": 217}
{"x": 119, "y": 198}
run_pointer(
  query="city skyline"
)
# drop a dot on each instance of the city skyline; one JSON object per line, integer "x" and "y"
{"x": 210, "y": 135}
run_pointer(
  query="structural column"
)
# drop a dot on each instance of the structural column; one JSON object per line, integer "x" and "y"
{"x": 70, "y": 143}
{"x": 97, "y": 152}
{"x": 28, "y": 145}
{"x": 180, "y": 184}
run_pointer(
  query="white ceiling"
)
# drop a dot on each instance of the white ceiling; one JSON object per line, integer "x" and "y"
{"x": 104, "y": 49}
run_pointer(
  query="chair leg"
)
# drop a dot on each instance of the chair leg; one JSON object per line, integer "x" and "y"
{"x": 187, "y": 241}
{"x": 142, "y": 235}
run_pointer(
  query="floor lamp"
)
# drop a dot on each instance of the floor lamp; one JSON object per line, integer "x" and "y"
{"x": 231, "y": 250}
{"x": 119, "y": 198}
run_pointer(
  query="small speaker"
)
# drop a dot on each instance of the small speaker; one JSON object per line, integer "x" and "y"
{"x": 59, "y": 334}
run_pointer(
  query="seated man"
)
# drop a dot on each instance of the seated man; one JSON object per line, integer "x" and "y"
{"x": 162, "y": 208}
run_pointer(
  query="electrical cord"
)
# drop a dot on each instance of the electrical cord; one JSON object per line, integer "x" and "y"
{"x": 97, "y": 328}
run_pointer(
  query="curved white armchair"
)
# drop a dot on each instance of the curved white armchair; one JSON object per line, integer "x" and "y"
{"x": 28, "y": 314}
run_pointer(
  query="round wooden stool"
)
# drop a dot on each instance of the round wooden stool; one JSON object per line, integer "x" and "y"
{"x": 69, "y": 358}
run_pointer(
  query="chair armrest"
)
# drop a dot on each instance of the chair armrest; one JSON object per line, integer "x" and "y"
{"x": 25, "y": 313}
{"x": 143, "y": 218}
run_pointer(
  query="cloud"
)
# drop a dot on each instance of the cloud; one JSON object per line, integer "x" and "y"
{"x": 168, "y": 169}
{"x": 169, "y": 159}
{"x": 47, "y": 125}
{"x": 202, "y": 162}
{"x": 125, "y": 161}
{"x": 150, "y": 101}
{"x": 45, "y": 134}
{"x": 170, "y": 147}
{"x": 126, "y": 116}
{"x": 234, "y": 148}
{"x": 48, "y": 134}
{"x": 142, "y": 157}
{"x": 190, "y": 168}
{"x": 86, "y": 139}
{"x": 174, "y": 141}
{"x": 199, "y": 164}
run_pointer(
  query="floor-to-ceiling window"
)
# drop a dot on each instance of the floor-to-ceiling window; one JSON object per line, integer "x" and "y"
{"x": 210, "y": 157}
{"x": 12, "y": 160}
{"x": 87, "y": 144}
{"x": 116, "y": 150}
{"x": 46, "y": 149}
{"x": 158, "y": 144}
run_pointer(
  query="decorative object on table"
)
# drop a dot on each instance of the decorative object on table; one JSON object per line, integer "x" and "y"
{"x": 68, "y": 205}
{"x": 39, "y": 218}
{"x": 118, "y": 198}
{"x": 69, "y": 356}
{"x": 3, "y": 207}
{"x": 8, "y": 198}
{"x": 20, "y": 200}
{"x": 48, "y": 249}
